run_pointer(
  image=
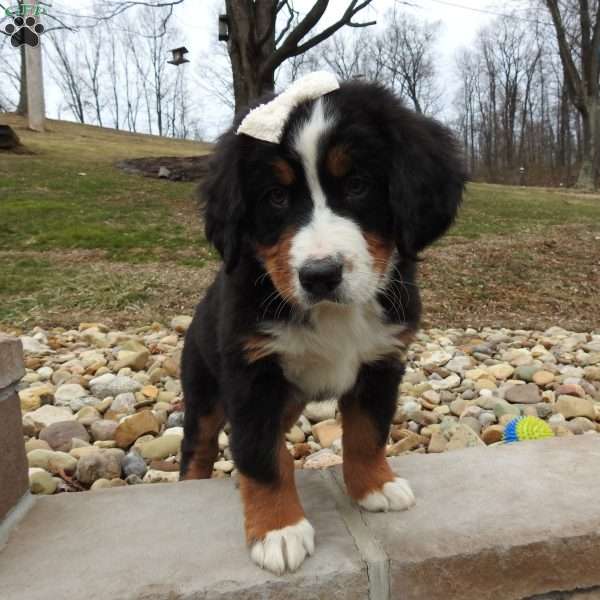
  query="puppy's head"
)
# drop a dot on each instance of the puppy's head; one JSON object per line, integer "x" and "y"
{"x": 356, "y": 180}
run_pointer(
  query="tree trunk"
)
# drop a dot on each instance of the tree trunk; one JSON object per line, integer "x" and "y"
{"x": 22, "y": 106}
{"x": 251, "y": 43}
{"x": 589, "y": 120}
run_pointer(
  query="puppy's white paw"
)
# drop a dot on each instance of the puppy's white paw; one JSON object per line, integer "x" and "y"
{"x": 284, "y": 549}
{"x": 395, "y": 495}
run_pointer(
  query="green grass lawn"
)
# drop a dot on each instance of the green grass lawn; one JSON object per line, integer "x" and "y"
{"x": 80, "y": 239}
{"x": 501, "y": 210}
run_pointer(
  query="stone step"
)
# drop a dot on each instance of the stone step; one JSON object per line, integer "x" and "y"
{"x": 508, "y": 522}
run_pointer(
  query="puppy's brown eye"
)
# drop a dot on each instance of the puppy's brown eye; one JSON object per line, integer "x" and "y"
{"x": 278, "y": 198}
{"x": 356, "y": 186}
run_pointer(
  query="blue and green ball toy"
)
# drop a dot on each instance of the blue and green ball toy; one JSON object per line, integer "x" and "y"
{"x": 526, "y": 428}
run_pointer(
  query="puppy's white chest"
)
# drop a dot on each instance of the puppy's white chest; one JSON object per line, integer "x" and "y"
{"x": 322, "y": 358}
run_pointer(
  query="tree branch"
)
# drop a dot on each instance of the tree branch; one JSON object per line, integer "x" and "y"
{"x": 291, "y": 45}
{"x": 572, "y": 77}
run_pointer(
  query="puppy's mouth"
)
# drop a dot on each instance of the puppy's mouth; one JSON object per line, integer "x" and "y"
{"x": 335, "y": 297}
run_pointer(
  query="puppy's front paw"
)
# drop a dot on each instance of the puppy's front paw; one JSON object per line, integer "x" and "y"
{"x": 394, "y": 495}
{"x": 284, "y": 549}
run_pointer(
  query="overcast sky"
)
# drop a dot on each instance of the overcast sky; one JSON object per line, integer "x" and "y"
{"x": 197, "y": 20}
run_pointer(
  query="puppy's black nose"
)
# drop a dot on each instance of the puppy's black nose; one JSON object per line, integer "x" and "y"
{"x": 321, "y": 277}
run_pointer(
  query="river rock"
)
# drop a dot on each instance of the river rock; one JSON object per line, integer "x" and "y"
{"x": 134, "y": 426}
{"x": 47, "y": 415}
{"x": 59, "y": 435}
{"x": 162, "y": 447}
{"x": 527, "y": 393}
{"x": 41, "y": 482}
{"x": 52, "y": 461}
{"x": 113, "y": 385}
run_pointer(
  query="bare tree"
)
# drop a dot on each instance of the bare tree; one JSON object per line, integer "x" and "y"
{"x": 409, "y": 57}
{"x": 257, "y": 48}
{"x": 361, "y": 54}
{"x": 67, "y": 69}
{"x": 10, "y": 74}
{"x": 577, "y": 28}
{"x": 93, "y": 48}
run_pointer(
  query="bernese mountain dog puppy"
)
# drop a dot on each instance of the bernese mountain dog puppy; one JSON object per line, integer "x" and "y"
{"x": 317, "y": 298}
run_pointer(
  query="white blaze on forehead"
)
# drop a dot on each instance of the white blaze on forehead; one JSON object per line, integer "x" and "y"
{"x": 328, "y": 234}
{"x": 307, "y": 143}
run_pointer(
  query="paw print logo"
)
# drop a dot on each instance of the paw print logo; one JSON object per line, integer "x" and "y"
{"x": 24, "y": 31}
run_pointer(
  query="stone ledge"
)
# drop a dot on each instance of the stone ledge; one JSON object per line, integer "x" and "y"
{"x": 519, "y": 521}
{"x": 14, "y": 482}
{"x": 169, "y": 541}
{"x": 497, "y": 523}
{"x": 12, "y": 367}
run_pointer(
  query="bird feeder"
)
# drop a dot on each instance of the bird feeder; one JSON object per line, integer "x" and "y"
{"x": 178, "y": 56}
{"x": 223, "y": 28}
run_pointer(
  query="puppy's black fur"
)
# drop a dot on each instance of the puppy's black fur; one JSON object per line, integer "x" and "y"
{"x": 414, "y": 182}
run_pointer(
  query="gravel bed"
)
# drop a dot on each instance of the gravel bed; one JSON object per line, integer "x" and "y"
{"x": 104, "y": 408}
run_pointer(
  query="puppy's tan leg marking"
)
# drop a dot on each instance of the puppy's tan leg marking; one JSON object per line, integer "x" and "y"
{"x": 368, "y": 477}
{"x": 277, "y": 531}
{"x": 207, "y": 445}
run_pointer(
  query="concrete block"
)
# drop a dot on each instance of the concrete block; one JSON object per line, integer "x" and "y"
{"x": 182, "y": 541}
{"x": 14, "y": 481}
{"x": 12, "y": 367}
{"x": 509, "y": 522}
{"x": 496, "y": 523}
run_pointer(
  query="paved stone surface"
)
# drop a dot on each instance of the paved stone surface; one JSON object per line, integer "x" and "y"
{"x": 520, "y": 521}
{"x": 12, "y": 367}
{"x": 179, "y": 541}
{"x": 502, "y": 523}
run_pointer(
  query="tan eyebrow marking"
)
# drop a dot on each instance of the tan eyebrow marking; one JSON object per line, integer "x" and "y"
{"x": 338, "y": 161}
{"x": 284, "y": 171}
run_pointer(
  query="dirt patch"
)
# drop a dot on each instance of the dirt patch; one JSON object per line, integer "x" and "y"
{"x": 526, "y": 281}
{"x": 174, "y": 168}
{"x": 521, "y": 282}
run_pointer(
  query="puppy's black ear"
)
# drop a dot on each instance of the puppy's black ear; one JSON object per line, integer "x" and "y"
{"x": 427, "y": 181}
{"x": 222, "y": 201}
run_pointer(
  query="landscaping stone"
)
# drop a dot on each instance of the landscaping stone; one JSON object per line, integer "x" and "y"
{"x": 133, "y": 464}
{"x": 135, "y": 360}
{"x": 295, "y": 435}
{"x": 98, "y": 465}
{"x": 41, "y": 482}
{"x": 162, "y": 447}
{"x": 47, "y": 415}
{"x": 109, "y": 384}
{"x": 572, "y": 406}
{"x": 322, "y": 460}
{"x": 181, "y": 323}
{"x": 501, "y": 370}
{"x": 464, "y": 437}
{"x": 67, "y": 392}
{"x": 52, "y": 461}
{"x": 326, "y": 432}
{"x": 59, "y": 435}
{"x": 456, "y": 380}
{"x": 543, "y": 378}
{"x": 103, "y": 430}
{"x": 131, "y": 428}
{"x": 175, "y": 419}
{"x": 155, "y": 476}
{"x": 528, "y": 393}
{"x": 320, "y": 411}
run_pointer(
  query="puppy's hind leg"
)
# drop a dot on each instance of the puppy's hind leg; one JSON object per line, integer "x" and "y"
{"x": 204, "y": 415}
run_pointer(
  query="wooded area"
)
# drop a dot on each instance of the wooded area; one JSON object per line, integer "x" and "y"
{"x": 523, "y": 98}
